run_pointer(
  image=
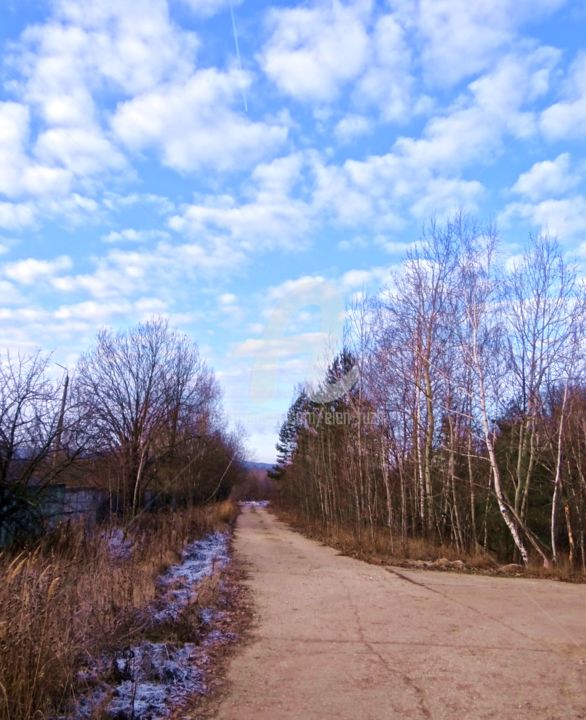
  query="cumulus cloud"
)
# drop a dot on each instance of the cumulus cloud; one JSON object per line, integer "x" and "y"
{"x": 32, "y": 270}
{"x": 65, "y": 66}
{"x": 381, "y": 192}
{"x": 313, "y": 51}
{"x": 352, "y": 279}
{"x": 20, "y": 175}
{"x": 388, "y": 81}
{"x": 272, "y": 217}
{"x": 495, "y": 106}
{"x": 461, "y": 38}
{"x": 83, "y": 151}
{"x": 227, "y": 299}
{"x": 131, "y": 43}
{"x": 207, "y": 8}
{"x": 351, "y": 127}
{"x": 279, "y": 348}
{"x": 564, "y": 218}
{"x": 125, "y": 273}
{"x": 130, "y": 235}
{"x": 10, "y": 294}
{"x": 566, "y": 119}
{"x": 548, "y": 178}
{"x": 16, "y": 216}
{"x": 194, "y": 124}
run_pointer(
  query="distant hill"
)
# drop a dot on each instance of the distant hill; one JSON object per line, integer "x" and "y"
{"x": 252, "y": 465}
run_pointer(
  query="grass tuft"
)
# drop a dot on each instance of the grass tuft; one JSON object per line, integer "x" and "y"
{"x": 68, "y": 598}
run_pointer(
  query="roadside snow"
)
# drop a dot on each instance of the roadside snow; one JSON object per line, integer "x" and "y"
{"x": 154, "y": 677}
{"x": 148, "y": 680}
{"x": 119, "y": 543}
{"x": 179, "y": 583}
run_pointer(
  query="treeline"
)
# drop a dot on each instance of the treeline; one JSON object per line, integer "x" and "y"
{"x": 141, "y": 413}
{"x": 467, "y": 426}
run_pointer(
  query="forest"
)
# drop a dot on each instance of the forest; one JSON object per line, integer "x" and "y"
{"x": 137, "y": 424}
{"x": 139, "y": 419}
{"x": 466, "y": 427}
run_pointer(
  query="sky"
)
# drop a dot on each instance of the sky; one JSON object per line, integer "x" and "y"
{"x": 249, "y": 168}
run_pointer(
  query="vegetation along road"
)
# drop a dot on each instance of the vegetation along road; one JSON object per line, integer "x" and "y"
{"x": 338, "y": 638}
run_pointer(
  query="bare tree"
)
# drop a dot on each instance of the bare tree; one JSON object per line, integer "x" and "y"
{"x": 474, "y": 376}
{"x": 38, "y": 435}
{"x": 142, "y": 388}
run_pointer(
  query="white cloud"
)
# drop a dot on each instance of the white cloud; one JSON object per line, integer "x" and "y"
{"x": 548, "y": 178}
{"x": 337, "y": 194}
{"x": 474, "y": 129}
{"x": 359, "y": 241}
{"x": 421, "y": 176}
{"x": 381, "y": 190}
{"x": 131, "y": 43}
{"x": 66, "y": 65}
{"x": 52, "y": 62}
{"x": 462, "y": 38}
{"x": 227, "y": 299}
{"x": 92, "y": 313}
{"x": 207, "y": 8}
{"x": 442, "y": 197}
{"x": 313, "y": 51}
{"x": 31, "y": 270}
{"x": 194, "y": 124}
{"x": 83, "y": 151}
{"x": 361, "y": 278}
{"x": 388, "y": 80}
{"x": 118, "y": 203}
{"x": 278, "y": 348}
{"x": 124, "y": 273}
{"x": 16, "y": 216}
{"x": 19, "y": 175}
{"x": 133, "y": 236}
{"x": 74, "y": 209}
{"x": 10, "y": 294}
{"x": 563, "y": 218}
{"x": 352, "y": 126}
{"x": 14, "y": 120}
{"x": 302, "y": 289}
{"x": 272, "y": 217}
{"x": 566, "y": 119}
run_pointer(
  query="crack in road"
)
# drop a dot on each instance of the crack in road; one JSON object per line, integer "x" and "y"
{"x": 405, "y": 677}
{"x": 335, "y": 637}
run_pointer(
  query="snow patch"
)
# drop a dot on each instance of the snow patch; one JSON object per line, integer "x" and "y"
{"x": 149, "y": 680}
{"x": 153, "y": 678}
{"x": 120, "y": 544}
{"x": 199, "y": 560}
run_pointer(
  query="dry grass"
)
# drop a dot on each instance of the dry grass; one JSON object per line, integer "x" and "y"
{"x": 66, "y": 599}
{"x": 379, "y": 547}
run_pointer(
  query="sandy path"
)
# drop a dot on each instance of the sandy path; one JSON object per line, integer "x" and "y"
{"x": 337, "y": 638}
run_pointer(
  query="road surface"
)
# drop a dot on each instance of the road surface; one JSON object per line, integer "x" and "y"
{"x": 338, "y": 638}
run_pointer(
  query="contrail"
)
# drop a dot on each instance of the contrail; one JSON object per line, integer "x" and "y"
{"x": 235, "y": 33}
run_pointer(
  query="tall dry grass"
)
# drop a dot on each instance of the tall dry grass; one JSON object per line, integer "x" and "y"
{"x": 68, "y": 599}
{"x": 379, "y": 546}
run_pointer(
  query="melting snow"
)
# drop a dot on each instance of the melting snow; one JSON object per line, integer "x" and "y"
{"x": 199, "y": 560}
{"x": 119, "y": 543}
{"x": 154, "y": 677}
{"x": 151, "y": 678}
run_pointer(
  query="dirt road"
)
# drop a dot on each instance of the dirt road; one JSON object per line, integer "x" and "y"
{"x": 337, "y": 638}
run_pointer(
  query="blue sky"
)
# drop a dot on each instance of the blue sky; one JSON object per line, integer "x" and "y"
{"x": 147, "y": 167}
